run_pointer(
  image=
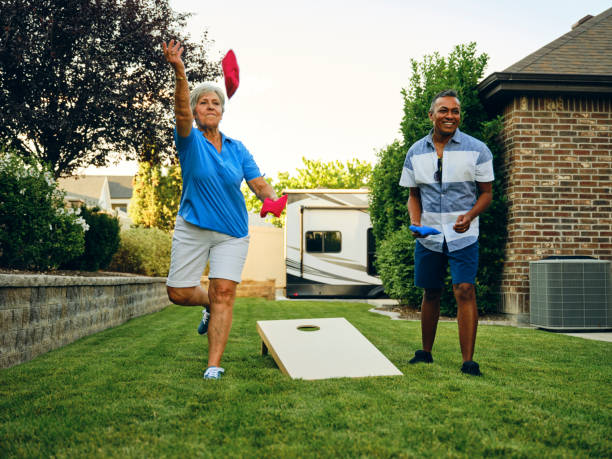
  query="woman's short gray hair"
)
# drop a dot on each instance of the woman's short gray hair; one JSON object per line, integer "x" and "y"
{"x": 204, "y": 88}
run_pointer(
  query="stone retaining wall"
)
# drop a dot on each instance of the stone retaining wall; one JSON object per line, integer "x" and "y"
{"x": 39, "y": 313}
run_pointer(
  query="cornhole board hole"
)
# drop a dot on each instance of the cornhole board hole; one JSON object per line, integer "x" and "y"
{"x": 321, "y": 349}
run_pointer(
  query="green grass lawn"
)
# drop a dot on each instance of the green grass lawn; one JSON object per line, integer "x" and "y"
{"x": 137, "y": 391}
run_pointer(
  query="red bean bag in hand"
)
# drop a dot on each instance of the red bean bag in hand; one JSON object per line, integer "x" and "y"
{"x": 231, "y": 73}
{"x": 274, "y": 206}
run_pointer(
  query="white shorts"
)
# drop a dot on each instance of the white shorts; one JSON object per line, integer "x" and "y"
{"x": 193, "y": 246}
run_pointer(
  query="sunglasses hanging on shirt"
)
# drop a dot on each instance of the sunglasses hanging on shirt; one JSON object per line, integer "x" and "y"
{"x": 438, "y": 172}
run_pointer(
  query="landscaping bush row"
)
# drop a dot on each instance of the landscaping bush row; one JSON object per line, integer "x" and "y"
{"x": 143, "y": 251}
{"x": 39, "y": 232}
{"x": 101, "y": 241}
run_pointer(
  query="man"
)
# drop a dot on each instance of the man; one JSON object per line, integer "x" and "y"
{"x": 450, "y": 177}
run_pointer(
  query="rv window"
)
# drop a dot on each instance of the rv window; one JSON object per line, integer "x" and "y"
{"x": 323, "y": 241}
{"x": 314, "y": 241}
{"x": 332, "y": 241}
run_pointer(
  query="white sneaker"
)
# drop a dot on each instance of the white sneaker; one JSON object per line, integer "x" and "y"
{"x": 213, "y": 373}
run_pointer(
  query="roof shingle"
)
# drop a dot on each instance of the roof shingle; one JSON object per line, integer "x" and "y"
{"x": 585, "y": 50}
{"x": 120, "y": 186}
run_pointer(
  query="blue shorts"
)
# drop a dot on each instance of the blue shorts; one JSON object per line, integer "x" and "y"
{"x": 430, "y": 266}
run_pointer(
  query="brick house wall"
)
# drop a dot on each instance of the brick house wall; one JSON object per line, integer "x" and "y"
{"x": 558, "y": 169}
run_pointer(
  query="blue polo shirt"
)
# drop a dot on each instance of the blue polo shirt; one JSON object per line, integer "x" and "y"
{"x": 466, "y": 160}
{"x": 211, "y": 196}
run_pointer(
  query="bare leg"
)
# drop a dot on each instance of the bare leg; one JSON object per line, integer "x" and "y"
{"x": 188, "y": 296}
{"x": 430, "y": 313}
{"x": 222, "y": 294}
{"x": 467, "y": 318}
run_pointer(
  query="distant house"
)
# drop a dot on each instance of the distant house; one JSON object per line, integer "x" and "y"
{"x": 111, "y": 193}
{"x": 556, "y": 106}
{"x": 120, "y": 187}
{"x": 91, "y": 190}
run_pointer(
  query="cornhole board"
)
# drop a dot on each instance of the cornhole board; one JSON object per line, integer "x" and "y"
{"x": 321, "y": 349}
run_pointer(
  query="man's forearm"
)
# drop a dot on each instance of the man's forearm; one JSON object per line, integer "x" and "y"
{"x": 483, "y": 201}
{"x": 414, "y": 209}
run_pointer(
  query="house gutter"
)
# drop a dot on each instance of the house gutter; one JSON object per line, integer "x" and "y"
{"x": 501, "y": 86}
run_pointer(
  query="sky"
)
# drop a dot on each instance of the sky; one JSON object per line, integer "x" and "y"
{"x": 323, "y": 79}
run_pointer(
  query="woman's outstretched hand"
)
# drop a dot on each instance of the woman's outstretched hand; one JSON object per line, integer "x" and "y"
{"x": 173, "y": 52}
{"x": 276, "y": 206}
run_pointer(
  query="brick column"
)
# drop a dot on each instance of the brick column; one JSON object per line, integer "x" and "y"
{"x": 558, "y": 166}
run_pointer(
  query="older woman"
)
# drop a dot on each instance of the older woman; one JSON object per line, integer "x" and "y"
{"x": 212, "y": 222}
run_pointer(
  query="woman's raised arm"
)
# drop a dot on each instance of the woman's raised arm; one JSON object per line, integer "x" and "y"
{"x": 182, "y": 110}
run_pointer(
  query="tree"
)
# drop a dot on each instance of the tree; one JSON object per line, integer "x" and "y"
{"x": 461, "y": 70}
{"x": 315, "y": 174}
{"x": 333, "y": 174}
{"x": 80, "y": 79}
{"x": 156, "y": 196}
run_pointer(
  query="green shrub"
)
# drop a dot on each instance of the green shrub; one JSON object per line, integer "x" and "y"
{"x": 143, "y": 251}
{"x": 101, "y": 241}
{"x": 388, "y": 199}
{"x": 395, "y": 265}
{"x": 36, "y": 230}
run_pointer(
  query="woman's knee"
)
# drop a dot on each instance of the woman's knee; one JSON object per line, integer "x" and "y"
{"x": 222, "y": 291}
{"x": 178, "y": 295}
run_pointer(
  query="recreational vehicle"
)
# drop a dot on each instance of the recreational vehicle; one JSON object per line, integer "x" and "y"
{"x": 329, "y": 245}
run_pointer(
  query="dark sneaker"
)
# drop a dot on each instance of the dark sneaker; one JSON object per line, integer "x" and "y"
{"x": 471, "y": 368}
{"x": 213, "y": 373}
{"x": 421, "y": 356}
{"x": 203, "y": 327}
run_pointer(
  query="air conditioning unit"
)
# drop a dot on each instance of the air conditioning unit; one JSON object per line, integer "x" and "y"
{"x": 570, "y": 294}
